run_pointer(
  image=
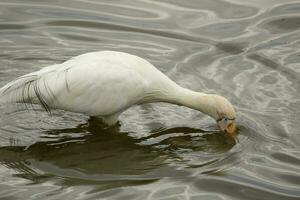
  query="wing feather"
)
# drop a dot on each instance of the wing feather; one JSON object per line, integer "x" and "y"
{"x": 92, "y": 84}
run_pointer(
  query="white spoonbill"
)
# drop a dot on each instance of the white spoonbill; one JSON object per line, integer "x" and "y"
{"x": 106, "y": 83}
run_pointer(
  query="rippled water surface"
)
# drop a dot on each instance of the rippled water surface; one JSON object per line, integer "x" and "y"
{"x": 248, "y": 51}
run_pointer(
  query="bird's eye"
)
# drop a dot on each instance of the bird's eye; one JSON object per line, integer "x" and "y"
{"x": 225, "y": 119}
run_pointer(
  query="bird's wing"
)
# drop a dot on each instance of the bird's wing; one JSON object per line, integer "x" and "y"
{"x": 82, "y": 84}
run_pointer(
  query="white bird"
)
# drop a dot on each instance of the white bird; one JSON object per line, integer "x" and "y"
{"x": 106, "y": 83}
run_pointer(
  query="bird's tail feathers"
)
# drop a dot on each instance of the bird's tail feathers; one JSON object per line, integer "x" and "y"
{"x": 27, "y": 89}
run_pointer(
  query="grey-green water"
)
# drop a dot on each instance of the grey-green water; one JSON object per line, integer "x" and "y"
{"x": 248, "y": 51}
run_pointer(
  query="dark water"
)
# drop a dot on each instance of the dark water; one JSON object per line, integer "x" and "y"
{"x": 248, "y": 51}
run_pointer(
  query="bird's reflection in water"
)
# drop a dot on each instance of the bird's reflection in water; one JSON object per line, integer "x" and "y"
{"x": 91, "y": 152}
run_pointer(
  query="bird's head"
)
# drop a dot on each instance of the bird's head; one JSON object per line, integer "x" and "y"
{"x": 223, "y": 112}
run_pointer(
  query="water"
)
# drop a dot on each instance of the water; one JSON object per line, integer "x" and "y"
{"x": 247, "y": 51}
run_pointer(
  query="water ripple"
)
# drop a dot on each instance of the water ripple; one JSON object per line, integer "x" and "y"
{"x": 246, "y": 51}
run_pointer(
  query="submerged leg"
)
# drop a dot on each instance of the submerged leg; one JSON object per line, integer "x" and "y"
{"x": 107, "y": 121}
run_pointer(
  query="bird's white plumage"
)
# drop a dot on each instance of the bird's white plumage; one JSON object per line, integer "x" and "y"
{"x": 97, "y": 84}
{"x": 104, "y": 84}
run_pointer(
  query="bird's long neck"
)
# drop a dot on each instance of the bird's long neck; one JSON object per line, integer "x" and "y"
{"x": 185, "y": 97}
{"x": 194, "y": 100}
